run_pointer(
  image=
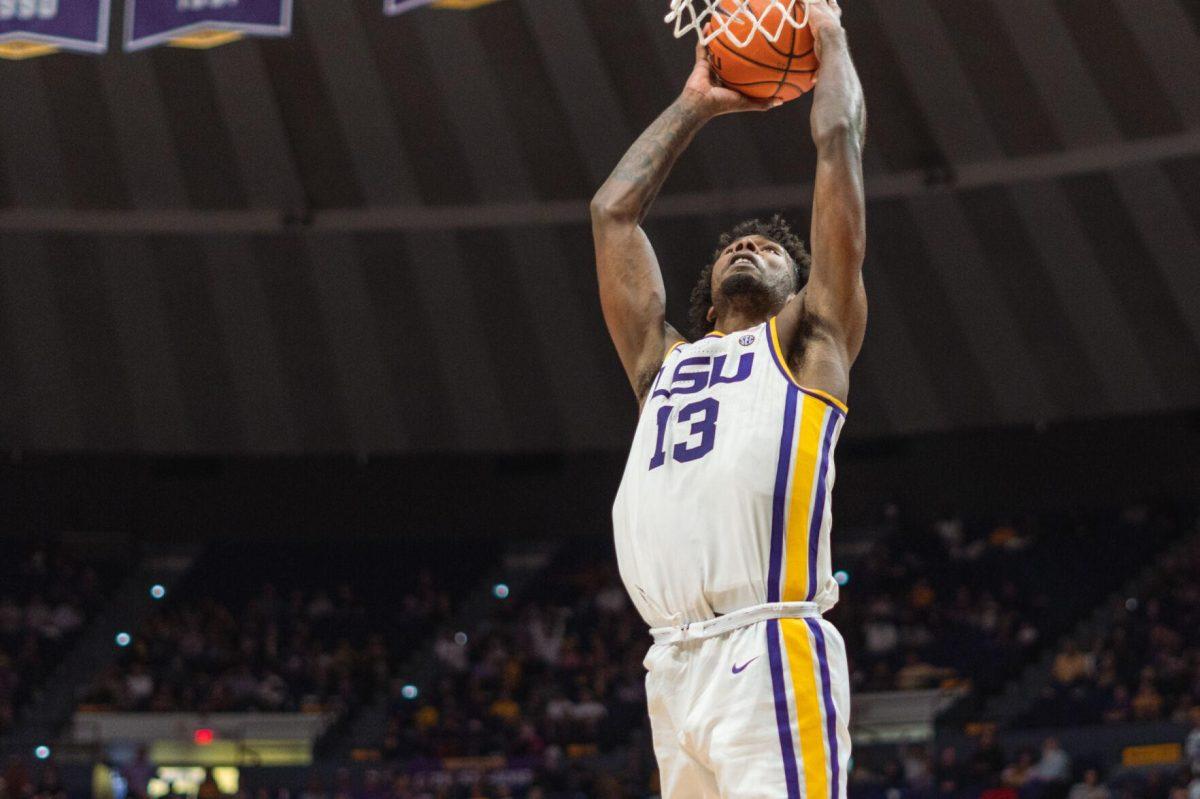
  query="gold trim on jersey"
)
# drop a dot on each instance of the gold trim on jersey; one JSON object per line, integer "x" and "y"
{"x": 781, "y": 361}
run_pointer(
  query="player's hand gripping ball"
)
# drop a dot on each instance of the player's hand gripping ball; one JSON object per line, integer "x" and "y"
{"x": 765, "y": 70}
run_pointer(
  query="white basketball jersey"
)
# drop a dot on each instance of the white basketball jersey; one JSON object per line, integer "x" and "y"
{"x": 725, "y": 500}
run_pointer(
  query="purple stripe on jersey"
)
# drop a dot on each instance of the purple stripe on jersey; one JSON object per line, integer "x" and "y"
{"x": 782, "y": 720}
{"x": 779, "y": 501}
{"x": 818, "y": 513}
{"x": 830, "y": 711}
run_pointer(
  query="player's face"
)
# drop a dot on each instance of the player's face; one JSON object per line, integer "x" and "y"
{"x": 753, "y": 264}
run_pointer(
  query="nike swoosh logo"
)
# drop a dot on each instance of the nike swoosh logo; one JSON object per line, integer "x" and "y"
{"x": 739, "y": 669}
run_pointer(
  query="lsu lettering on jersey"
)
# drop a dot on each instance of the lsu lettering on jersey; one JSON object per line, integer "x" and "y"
{"x": 725, "y": 499}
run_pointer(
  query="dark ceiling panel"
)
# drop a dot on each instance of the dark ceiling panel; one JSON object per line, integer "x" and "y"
{"x": 990, "y": 61}
{"x": 1040, "y": 318}
{"x": 144, "y": 148}
{"x": 49, "y": 407}
{"x": 1122, "y": 253}
{"x": 1170, "y": 42}
{"x": 202, "y": 139}
{"x": 268, "y": 418}
{"x": 359, "y": 101}
{"x": 318, "y": 148}
{"x": 406, "y": 334}
{"x": 896, "y": 122}
{"x": 1007, "y": 302}
{"x": 128, "y": 270}
{"x": 435, "y": 157}
{"x": 264, "y": 155}
{"x": 91, "y": 158}
{"x": 363, "y": 375}
{"x": 544, "y": 135}
{"x": 197, "y": 346}
{"x": 962, "y": 387}
{"x": 94, "y": 354}
{"x": 625, "y": 46}
{"x": 28, "y": 140}
{"x": 890, "y": 359}
{"x": 1091, "y": 305}
{"x": 310, "y": 375}
{"x": 1120, "y": 69}
{"x": 1184, "y": 174}
{"x": 446, "y": 279}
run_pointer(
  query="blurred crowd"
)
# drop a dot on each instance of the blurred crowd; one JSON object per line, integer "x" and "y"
{"x": 971, "y": 602}
{"x": 940, "y": 608}
{"x": 46, "y": 596}
{"x": 1146, "y": 665}
{"x": 988, "y": 770}
{"x": 319, "y": 630}
{"x": 271, "y": 653}
{"x": 543, "y": 679}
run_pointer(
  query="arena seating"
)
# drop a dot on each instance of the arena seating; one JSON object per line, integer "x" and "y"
{"x": 46, "y": 597}
{"x": 1145, "y": 666}
{"x": 557, "y": 672}
{"x": 975, "y": 600}
{"x": 547, "y": 682}
{"x": 270, "y": 628}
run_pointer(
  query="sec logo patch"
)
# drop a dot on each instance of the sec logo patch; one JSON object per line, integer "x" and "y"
{"x": 746, "y": 340}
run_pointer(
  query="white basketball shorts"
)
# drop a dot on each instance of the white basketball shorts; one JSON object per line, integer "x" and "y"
{"x": 756, "y": 708}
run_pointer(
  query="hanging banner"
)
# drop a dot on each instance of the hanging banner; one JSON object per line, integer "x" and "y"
{"x": 394, "y": 7}
{"x": 202, "y": 23}
{"x": 31, "y": 28}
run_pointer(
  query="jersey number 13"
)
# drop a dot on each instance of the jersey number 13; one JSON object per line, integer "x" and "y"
{"x": 702, "y": 416}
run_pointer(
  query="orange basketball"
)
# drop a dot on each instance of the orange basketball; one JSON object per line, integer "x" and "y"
{"x": 763, "y": 69}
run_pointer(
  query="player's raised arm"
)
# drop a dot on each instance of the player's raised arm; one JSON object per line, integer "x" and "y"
{"x": 835, "y": 301}
{"x": 632, "y": 295}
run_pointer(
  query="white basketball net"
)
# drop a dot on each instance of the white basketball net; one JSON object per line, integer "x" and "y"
{"x": 739, "y": 26}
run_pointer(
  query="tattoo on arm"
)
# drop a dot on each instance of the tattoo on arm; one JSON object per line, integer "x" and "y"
{"x": 640, "y": 175}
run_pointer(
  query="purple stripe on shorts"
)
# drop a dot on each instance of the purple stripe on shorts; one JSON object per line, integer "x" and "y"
{"x": 818, "y": 513}
{"x": 830, "y": 711}
{"x": 782, "y": 719}
{"x": 779, "y": 502}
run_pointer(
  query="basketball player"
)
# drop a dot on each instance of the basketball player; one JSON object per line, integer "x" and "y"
{"x": 722, "y": 520}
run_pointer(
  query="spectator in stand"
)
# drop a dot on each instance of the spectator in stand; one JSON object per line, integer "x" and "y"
{"x": 1071, "y": 665}
{"x": 948, "y": 775}
{"x": 138, "y": 774}
{"x": 988, "y": 760}
{"x": 1051, "y": 775}
{"x": 1090, "y": 787}
{"x": 1019, "y": 773}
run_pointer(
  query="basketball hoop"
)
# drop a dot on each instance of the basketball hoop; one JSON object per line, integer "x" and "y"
{"x": 713, "y": 18}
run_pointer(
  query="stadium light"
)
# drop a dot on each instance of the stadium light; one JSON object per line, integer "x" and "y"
{"x": 841, "y": 577}
{"x": 460, "y": 638}
{"x": 41, "y": 752}
{"x": 409, "y": 691}
{"x": 500, "y": 591}
{"x": 158, "y": 591}
{"x": 123, "y": 639}
{"x": 203, "y": 736}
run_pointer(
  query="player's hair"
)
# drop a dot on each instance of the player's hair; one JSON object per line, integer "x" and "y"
{"x": 777, "y": 230}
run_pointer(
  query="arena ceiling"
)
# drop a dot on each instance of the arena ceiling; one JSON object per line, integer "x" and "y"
{"x": 372, "y": 236}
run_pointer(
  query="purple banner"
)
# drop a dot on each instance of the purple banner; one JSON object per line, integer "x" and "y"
{"x": 394, "y": 7}
{"x": 153, "y": 22}
{"x": 46, "y": 25}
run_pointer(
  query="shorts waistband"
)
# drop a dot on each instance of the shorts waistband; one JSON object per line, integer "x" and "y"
{"x": 732, "y": 621}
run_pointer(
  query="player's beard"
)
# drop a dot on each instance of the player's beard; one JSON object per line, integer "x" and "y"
{"x": 747, "y": 293}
